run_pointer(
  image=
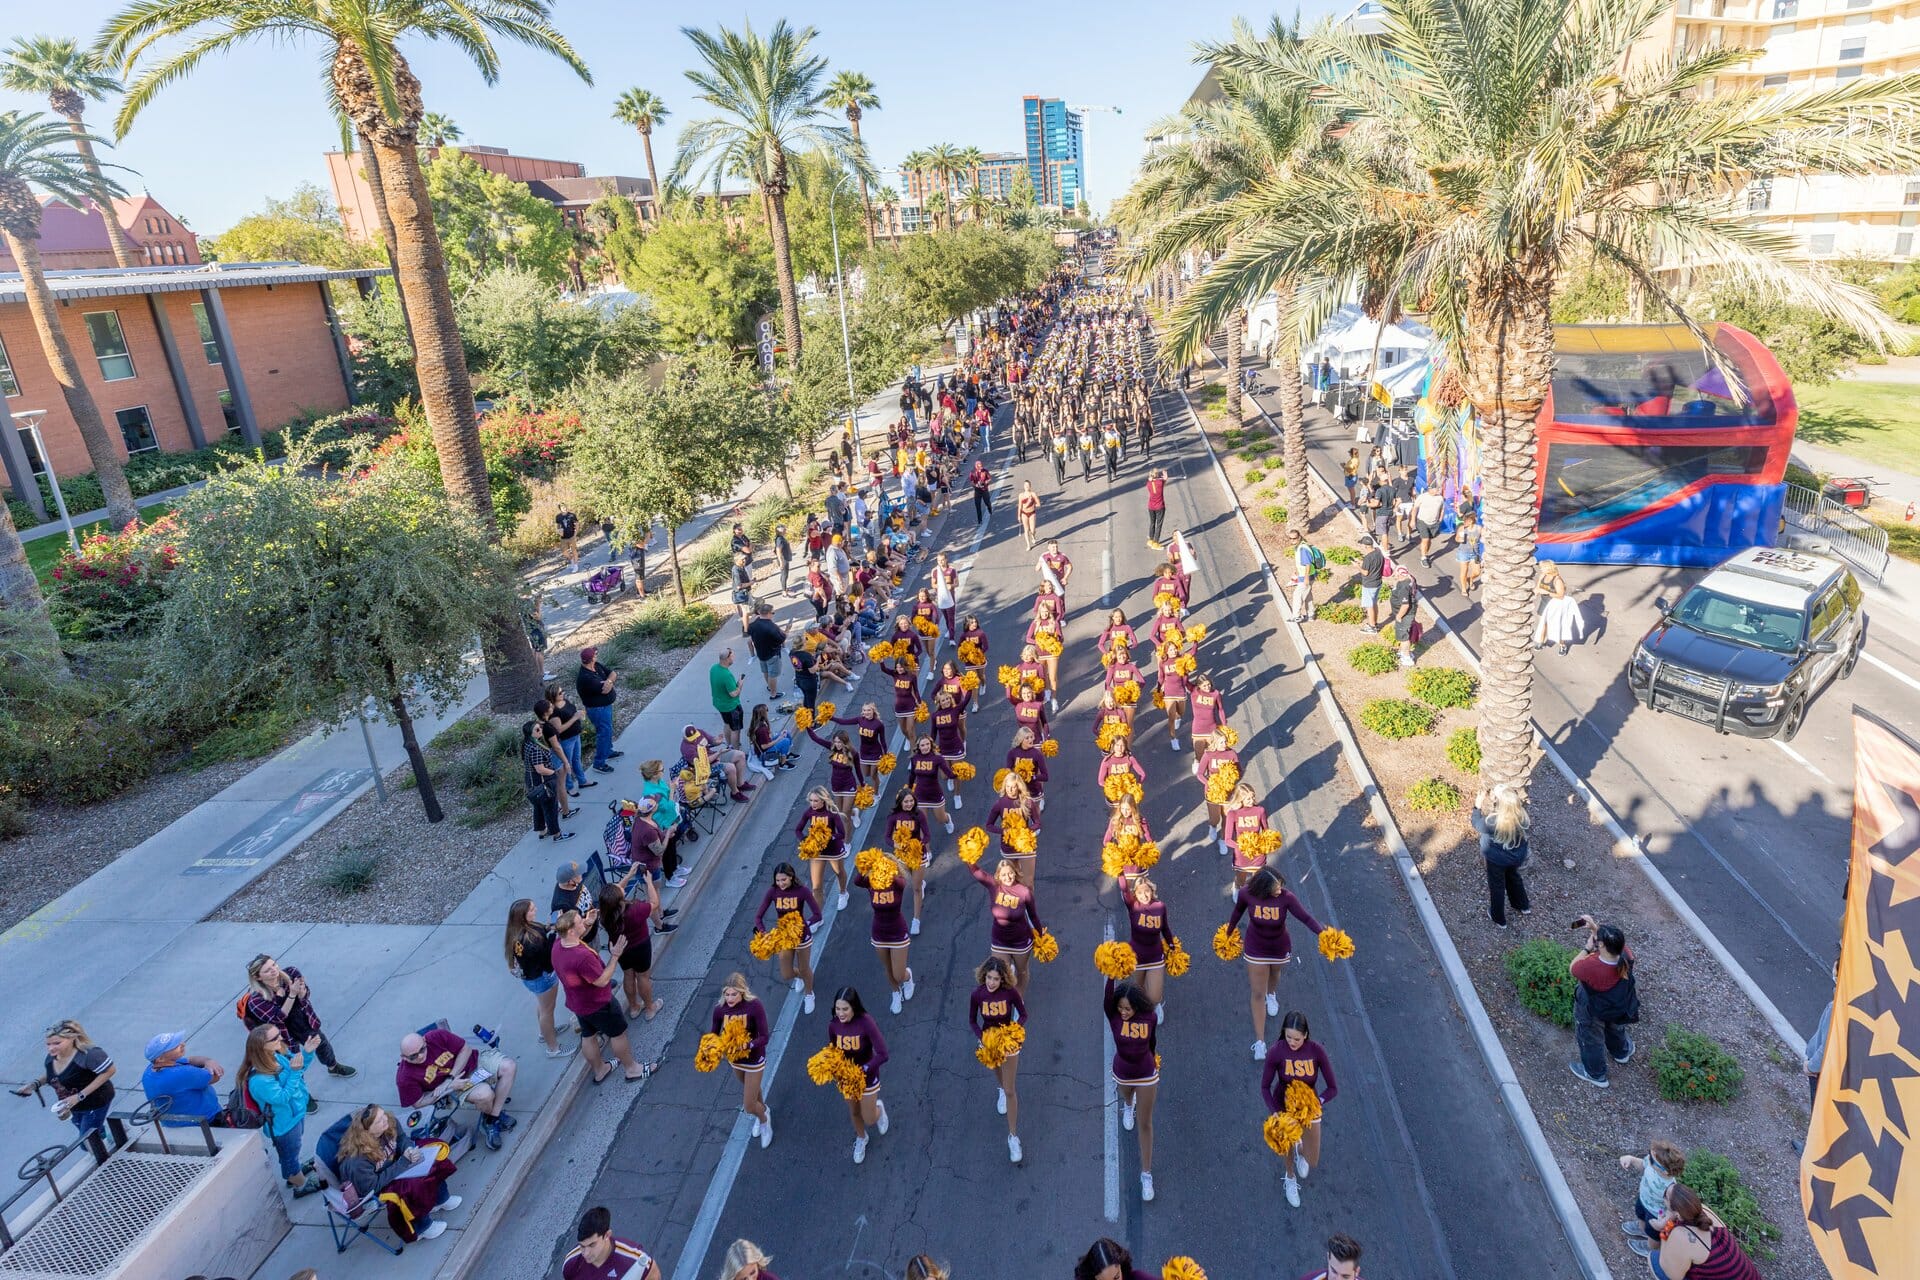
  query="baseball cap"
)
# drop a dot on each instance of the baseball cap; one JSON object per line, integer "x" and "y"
{"x": 566, "y": 871}
{"x": 164, "y": 1043}
{"x": 588, "y": 654}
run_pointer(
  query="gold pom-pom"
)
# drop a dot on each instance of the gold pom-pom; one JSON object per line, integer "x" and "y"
{"x": 1170, "y": 641}
{"x": 885, "y": 764}
{"x": 973, "y": 843}
{"x": 1145, "y": 854}
{"x": 1016, "y": 834}
{"x": 831, "y": 1066}
{"x": 1025, "y": 767}
{"x": 903, "y": 649}
{"x": 761, "y": 945}
{"x": 1185, "y": 664}
{"x": 877, "y": 867}
{"x": 1301, "y": 1102}
{"x": 1178, "y": 961}
{"x": 1226, "y": 943}
{"x": 1049, "y": 644}
{"x": 1221, "y": 782}
{"x": 1046, "y": 948}
{"x": 1121, "y": 785}
{"x": 1112, "y": 655}
{"x": 1182, "y": 1268}
{"x": 963, "y": 772}
{"x": 921, "y": 714}
{"x": 1114, "y": 859}
{"x": 1282, "y": 1132}
{"x": 819, "y": 835}
{"x": 707, "y": 1056}
{"x": 1111, "y": 731}
{"x": 785, "y": 935}
{"x": 970, "y": 681}
{"x": 1262, "y": 843}
{"x": 1335, "y": 944}
{"x": 734, "y": 1043}
{"x": 1229, "y": 735}
{"x": 880, "y": 652}
{"x": 1010, "y": 677}
{"x": 997, "y": 1044}
{"x": 972, "y": 655}
{"x": 1033, "y": 688}
{"x": 1166, "y": 600}
{"x": 926, "y": 626}
{"x": 1000, "y": 777}
{"x": 823, "y": 713}
{"x": 911, "y": 852}
{"x": 1160, "y": 699}
{"x": 1115, "y": 960}
{"x": 802, "y": 719}
{"x": 864, "y": 797}
{"x": 1196, "y": 632}
{"x": 1049, "y": 748}
{"x": 1127, "y": 693}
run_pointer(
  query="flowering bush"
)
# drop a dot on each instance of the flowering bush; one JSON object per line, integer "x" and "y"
{"x": 1691, "y": 1067}
{"x": 114, "y": 583}
{"x": 529, "y": 441}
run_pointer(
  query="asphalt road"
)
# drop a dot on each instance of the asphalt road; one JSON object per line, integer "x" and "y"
{"x": 1419, "y": 1162}
{"x": 1754, "y": 832}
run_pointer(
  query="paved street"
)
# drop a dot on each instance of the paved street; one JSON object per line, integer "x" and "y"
{"x": 1416, "y": 1120}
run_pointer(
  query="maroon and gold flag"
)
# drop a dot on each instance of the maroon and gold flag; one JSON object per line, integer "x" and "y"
{"x": 1862, "y": 1202}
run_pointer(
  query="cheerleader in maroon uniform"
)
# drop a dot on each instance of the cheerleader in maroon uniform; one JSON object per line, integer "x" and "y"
{"x": 1046, "y": 628}
{"x": 853, "y": 1032}
{"x": 1211, "y": 755}
{"x": 1031, "y": 671}
{"x": 1136, "y": 1067}
{"x": 926, "y": 770}
{"x": 787, "y": 894}
{"x": 906, "y": 694}
{"x": 1209, "y": 707}
{"x": 844, "y": 773}
{"x": 1111, "y": 712}
{"x": 1026, "y": 747}
{"x": 954, "y": 685}
{"x": 1015, "y": 918}
{"x": 1267, "y": 902}
{"x": 1014, "y": 798}
{"x": 1031, "y": 713}
{"x": 1117, "y": 628}
{"x": 1120, "y": 759}
{"x": 1150, "y": 931}
{"x": 1169, "y": 581}
{"x": 1109, "y": 1260}
{"x": 1127, "y": 820}
{"x": 903, "y": 633}
{"x": 949, "y": 739}
{"x": 971, "y": 630}
{"x": 925, "y": 610}
{"x": 995, "y": 1003}
{"x": 906, "y": 822}
{"x": 1056, "y": 570}
{"x": 1122, "y": 670}
{"x": 820, "y": 807}
{"x": 870, "y": 733}
{"x": 738, "y": 1006}
{"x": 1294, "y": 1056}
{"x": 1243, "y": 819}
{"x": 1166, "y": 616}
{"x": 889, "y": 934}
{"x": 1173, "y": 690}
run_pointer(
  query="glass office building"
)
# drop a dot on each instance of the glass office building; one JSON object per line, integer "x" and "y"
{"x": 1054, "y": 160}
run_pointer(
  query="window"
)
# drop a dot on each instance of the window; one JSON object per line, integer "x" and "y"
{"x": 35, "y": 463}
{"x": 1820, "y": 243}
{"x": 1903, "y": 245}
{"x": 227, "y": 411}
{"x": 1853, "y": 48}
{"x": 1773, "y": 81}
{"x": 1858, "y": 4}
{"x": 205, "y": 326}
{"x": 1760, "y": 195}
{"x": 136, "y": 428}
{"x": 1849, "y": 73}
{"x": 1912, "y": 196}
{"x": 8, "y": 385}
{"x": 109, "y": 345}
{"x": 1785, "y": 9}
{"x": 1857, "y": 20}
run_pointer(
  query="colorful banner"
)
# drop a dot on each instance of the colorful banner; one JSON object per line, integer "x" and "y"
{"x": 1862, "y": 1202}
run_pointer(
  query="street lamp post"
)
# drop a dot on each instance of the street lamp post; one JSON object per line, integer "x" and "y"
{"x": 29, "y": 422}
{"x": 840, "y": 295}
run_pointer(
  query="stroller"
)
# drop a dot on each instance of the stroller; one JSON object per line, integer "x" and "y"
{"x": 606, "y": 583}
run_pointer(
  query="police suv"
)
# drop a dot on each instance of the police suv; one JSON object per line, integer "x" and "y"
{"x": 1749, "y": 645}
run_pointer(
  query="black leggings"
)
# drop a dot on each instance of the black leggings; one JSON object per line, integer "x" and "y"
{"x": 982, "y": 506}
{"x": 546, "y": 809}
{"x": 1156, "y": 517}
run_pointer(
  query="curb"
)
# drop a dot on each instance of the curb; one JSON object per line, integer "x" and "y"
{"x": 1573, "y": 1222}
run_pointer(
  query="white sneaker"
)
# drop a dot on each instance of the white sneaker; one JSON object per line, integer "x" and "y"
{"x": 755, "y": 1131}
{"x": 1300, "y": 1162}
{"x": 949, "y": 826}
{"x": 766, "y": 1130}
{"x": 1273, "y": 1005}
{"x": 1000, "y": 1101}
{"x": 841, "y": 902}
{"x": 432, "y": 1231}
{"x": 949, "y": 786}
{"x": 1146, "y": 1186}
{"x": 881, "y": 1124}
{"x": 1053, "y": 703}
{"x": 563, "y": 1051}
{"x": 1176, "y": 744}
{"x": 906, "y": 988}
{"x": 1043, "y": 803}
{"x": 799, "y": 983}
{"x": 806, "y": 1003}
{"x": 1160, "y": 1014}
{"x": 1259, "y": 1051}
{"x": 860, "y": 1153}
{"x": 1292, "y": 1186}
{"x": 1126, "y": 1116}
{"x": 1013, "y": 1148}
{"x": 913, "y": 930}
{"x": 450, "y": 1203}
{"x": 959, "y": 802}
{"x": 896, "y": 1002}
{"x": 1224, "y": 851}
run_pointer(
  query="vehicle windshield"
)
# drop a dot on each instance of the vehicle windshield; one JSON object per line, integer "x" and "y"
{"x": 1764, "y": 626}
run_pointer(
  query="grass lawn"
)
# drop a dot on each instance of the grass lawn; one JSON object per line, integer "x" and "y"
{"x": 42, "y": 553}
{"x": 1877, "y": 422}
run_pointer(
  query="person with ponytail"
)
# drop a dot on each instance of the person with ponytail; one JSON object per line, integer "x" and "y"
{"x": 1295, "y": 1056}
{"x": 738, "y": 1006}
{"x": 996, "y": 1003}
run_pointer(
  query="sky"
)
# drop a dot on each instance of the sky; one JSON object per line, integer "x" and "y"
{"x": 251, "y": 125}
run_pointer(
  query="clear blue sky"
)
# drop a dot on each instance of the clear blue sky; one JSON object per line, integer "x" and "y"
{"x": 253, "y": 124}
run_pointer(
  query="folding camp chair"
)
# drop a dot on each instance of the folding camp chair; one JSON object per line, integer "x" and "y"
{"x": 350, "y": 1224}
{"x": 706, "y": 802}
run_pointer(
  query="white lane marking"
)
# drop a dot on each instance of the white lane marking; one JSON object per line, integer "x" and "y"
{"x": 1901, "y": 676}
{"x": 1805, "y": 763}
{"x": 1111, "y": 1182}
{"x": 1106, "y": 577}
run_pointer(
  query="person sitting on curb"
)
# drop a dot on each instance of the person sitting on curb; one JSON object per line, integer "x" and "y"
{"x": 440, "y": 1062}
{"x": 186, "y": 1082}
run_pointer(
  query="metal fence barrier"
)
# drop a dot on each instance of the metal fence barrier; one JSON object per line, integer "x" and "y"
{"x": 1845, "y": 532}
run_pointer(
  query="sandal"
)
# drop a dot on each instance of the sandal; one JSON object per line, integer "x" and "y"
{"x": 601, "y": 1078}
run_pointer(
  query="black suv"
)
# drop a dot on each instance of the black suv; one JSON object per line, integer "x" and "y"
{"x": 1748, "y": 646}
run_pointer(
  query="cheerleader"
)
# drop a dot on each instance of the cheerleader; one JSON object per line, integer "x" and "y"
{"x": 1015, "y": 918}
{"x": 1267, "y": 902}
{"x": 903, "y": 630}
{"x": 925, "y": 610}
{"x": 738, "y": 1007}
{"x": 1212, "y": 754}
{"x": 1027, "y": 747}
{"x": 785, "y": 895}
{"x": 927, "y": 770}
{"x": 1242, "y": 819}
{"x": 1111, "y": 712}
{"x": 906, "y": 695}
{"x": 1166, "y": 616}
{"x": 1014, "y": 798}
{"x": 1136, "y": 1067}
{"x": 971, "y": 631}
{"x": 1120, "y": 759}
{"x": 1046, "y": 623}
{"x": 745, "y": 1260}
{"x": 1150, "y": 932}
{"x": 1030, "y": 670}
{"x": 1027, "y": 506}
{"x": 820, "y": 806}
{"x": 1127, "y": 820}
{"x": 995, "y": 1003}
{"x": 844, "y": 773}
{"x": 1168, "y": 580}
{"x": 950, "y": 738}
{"x": 1056, "y": 570}
{"x": 906, "y": 822}
{"x": 1173, "y": 691}
{"x": 1117, "y": 628}
{"x": 870, "y": 734}
{"x": 1030, "y": 712}
{"x": 1296, "y": 1057}
{"x": 853, "y": 1032}
{"x": 889, "y": 933}
{"x": 1109, "y": 1260}
{"x": 1209, "y": 707}
{"x": 954, "y": 685}
{"x": 946, "y": 594}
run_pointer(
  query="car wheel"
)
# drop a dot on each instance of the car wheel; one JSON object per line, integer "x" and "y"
{"x": 1853, "y": 657}
{"x": 1795, "y": 717}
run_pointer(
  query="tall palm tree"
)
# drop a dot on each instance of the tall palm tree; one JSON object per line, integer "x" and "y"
{"x": 888, "y": 201}
{"x": 942, "y": 160}
{"x": 968, "y": 160}
{"x": 437, "y": 130}
{"x": 70, "y": 77}
{"x": 914, "y": 166}
{"x": 935, "y": 206}
{"x": 771, "y": 103}
{"x": 36, "y": 152}
{"x": 978, "y": 205}
{"x": 642, "y": 109}
{"x": 1523, "y": 139}
{"x": 369, "y": 81}
{"x": 851, "y": 92}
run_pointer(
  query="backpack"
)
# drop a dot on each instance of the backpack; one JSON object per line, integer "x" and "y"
{"x": 242, "y": 1111}
{"x": 1316, "y": 558}
{"x": 240, "y": 1010}
{"x": 1618, "y": 1003}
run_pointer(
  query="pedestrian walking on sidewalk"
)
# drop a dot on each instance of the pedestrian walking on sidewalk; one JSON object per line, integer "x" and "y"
{"x": 529, "y": 951}
{"x": 1560, "y": 621}
{"x": 1307, "y": 560}
{"x": 1156, "y": 506}
{"x": 586, "y": 982}
{"x": 280, "y": 997}
{"x": 854, "y": 1033}
{"x": 81, "y": 1073}
{"x": 1605, "y": 1001}
{"x": 598, "y": 686}
{"x": 568, "y": 525}
{"x": 1295, "y": 1056}
{"x": 1503, "y": 845}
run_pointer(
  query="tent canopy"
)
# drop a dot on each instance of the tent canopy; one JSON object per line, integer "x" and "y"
{"x": 1349, "y": 337}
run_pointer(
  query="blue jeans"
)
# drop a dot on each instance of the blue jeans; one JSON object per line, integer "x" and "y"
{"x": 90, "y": 1120}
{"x": 602, "y": 720}
{"x": 287, "y": 1147}
{"x": 570, "y": 747}
{"x": 1598, "y": 1041}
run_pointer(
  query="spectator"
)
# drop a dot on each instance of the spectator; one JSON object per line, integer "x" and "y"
{"x": 741, "y": 578}
{"x": 81, "y": 1073}
{"x": 1350, "y": 472}
{"x": 1503, "y": 846}
{"x": 839, "y": 567}
{"x": 1428, "y": 510}
{"x": 570, "y": 893}
{"x": 637, "y": 557}
{"x": 741, "y": 544}
{"x": 542, "y": 779}
{"x": 805, "y": 678}
{"x": 1343, "y": 1259}
{"x": 1467, "y": 552}
{"x": 607, "y": 532}
{"x": 1303, "y": 556}
{"x": 1380, "y": 504}
{"x": 634, "y": 921}
{"x": 273, "y": 1078}
{"x": 570, "y": 721}
{"x": 529, "y": 949}
{"x": 569, "y": 526}
{"x": 376, "y": 1160}
{"x": 598, "y": 687}
{"x": 1605, "y": 1001}
{"x": 725, "y": 687}
{"x": 1403, "y": 612}
{"x": 765, "y": 752}
{"x": 564, "y": 782}
{"x": 186, "y": 1082}
{"x": 668, "y": 814}
{"x": 279, "y": 997}
{"x": 601, "y": 1255}
{"x": 1373, "y": 565}
{"x": 439, "y": 1062}
{"x": 1658, "y": 1169}
{"x": 723, "y": 759}
{"x": 768, "y": 640}
{"x": 782, "y": 554}
{"x": 1817, "y": 1045}
{"x": 1402, "y": 485}
{"x": 1699, "y": 1243}
{"x": 584, "y": 979}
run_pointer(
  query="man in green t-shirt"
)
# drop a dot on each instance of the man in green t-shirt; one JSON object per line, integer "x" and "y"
{"x": 726, "y": 695}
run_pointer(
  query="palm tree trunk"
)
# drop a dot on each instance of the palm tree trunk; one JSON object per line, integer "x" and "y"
{"x": 783, "y": 265}
{"x": 124, "y": 254}
{"x": 372, "y": 171}
{"x": 101, "y": 448}
{"x": 653, "y": 176}
{"x": 866, "y": 206}
{"x": 1236, "y": 337}
{"x": 440, "y": 364}
{"x": 1509, "y": 369}
{"x": 20, "y": 593}
{"x": 1293, "y": 435}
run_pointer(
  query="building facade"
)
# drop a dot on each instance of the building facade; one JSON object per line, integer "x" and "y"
{"x": 75, "y": 239}
{"x": 563, "y": 183}
{"x": 175, "y": 358}
{"x": 994, "y": 175}
{"x": 1055, "y": 162}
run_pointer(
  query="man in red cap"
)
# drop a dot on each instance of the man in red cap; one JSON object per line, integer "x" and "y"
{"x": 596, "y": 685}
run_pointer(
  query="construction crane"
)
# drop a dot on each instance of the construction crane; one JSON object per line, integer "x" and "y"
{"x": 1085, "y": 109}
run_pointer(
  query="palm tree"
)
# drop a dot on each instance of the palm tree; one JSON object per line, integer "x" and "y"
{"x": 978, "y": 205}
{"x": 851, "y": 92}
{"x": 935, "y": 205}
{"x": 71, "y": 77}
{"x": 771, "y": 103}
{"x": 642, "y": 109}
{"x": 1519, "y": 138}
{"x": 968, "y": 162}
{"x": 888, "y": 200}
{"x": 942, "y": 160}
{"x": 914, "y": 165}
{"x": 36, "y": 152}
{"x": 370, "y": 82}
{"x": 438, "y": 131}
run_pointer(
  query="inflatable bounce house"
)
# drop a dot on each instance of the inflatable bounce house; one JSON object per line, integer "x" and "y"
{"x": 1648, "y": 452}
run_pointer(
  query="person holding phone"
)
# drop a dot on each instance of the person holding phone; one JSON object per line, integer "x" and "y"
{"x": 81, "y": 1073}
{"x": 273, "y": 1078}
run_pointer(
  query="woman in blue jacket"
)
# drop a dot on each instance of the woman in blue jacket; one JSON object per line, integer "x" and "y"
{"x": 274, "y": 1079}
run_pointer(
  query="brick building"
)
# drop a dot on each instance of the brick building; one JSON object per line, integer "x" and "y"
{"x": 563, "y": 183}
{"x": 176, "y": 357}
{"x": 76, "y": 239}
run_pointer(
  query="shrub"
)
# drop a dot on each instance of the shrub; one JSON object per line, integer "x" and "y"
{"x": 1463, "y": 749}
{"x": 1538, "y": 970}
{"x": 247, "y": 735}
{"x": 1433, "y": 795}
{"x": 672, "y": 627}
{"x": 1255, "y": 475}
{"x": 353, "y": 870}
{"x": 1373, "y": 659}
{"x": 489, "y": 776}
{"x": 1443, "y": 686}
{"x": 1342, "y": 555}
{"x": 1396, "y": 718}
{"x": 763, "y": 515}
{"x": 706, "y": 568}
{"x": 1724, "y": 1191}
{"x": 1691, "y": 1067}
{"x": 531, "y": 442}
{"x": 113, "y": 585}
{"x": 1275, "y": 512}
{"x": 13, "y": 823}
{"x": 82, "y": 494}
{"x": 1345, "y": 614}
{"x": 23, "y": 515}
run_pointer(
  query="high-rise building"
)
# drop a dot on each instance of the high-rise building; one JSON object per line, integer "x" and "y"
{"x": 1054, "y": 159}
{"x": 993, "y": 175}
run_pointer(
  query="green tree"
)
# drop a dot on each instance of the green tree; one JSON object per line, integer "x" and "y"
{"x": 1812, "y": 347}
{"x": 642, "y": 109}
{"x": 523, "y": 339}
{"x": 381, "y": 349}
{"x": 70, "y": 77}
{"x": 1022, "y": 195}
{"x": 935, "y": 280}
{"x": 941, "y": 162}
{"x": 304, "y": 227}
{"x": 660, "y": 452}
{"x": 852, "y": 93}
{"x": 705, "y": 277}
{"x": 296, "y": 590}
{"x": 488, "y": 220}
{"x": 621, "y": 233}
{"x": 820, "y": 185}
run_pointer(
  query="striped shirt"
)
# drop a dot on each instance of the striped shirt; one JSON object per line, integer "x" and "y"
{"x": 627, "y": 1259}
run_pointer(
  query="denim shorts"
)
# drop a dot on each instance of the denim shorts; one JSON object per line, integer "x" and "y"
{"x": 1368, "y": 595}
{"x": 541, "y": 985}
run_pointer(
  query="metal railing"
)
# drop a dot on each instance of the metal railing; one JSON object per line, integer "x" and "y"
{"x": 1845, "y": 532}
